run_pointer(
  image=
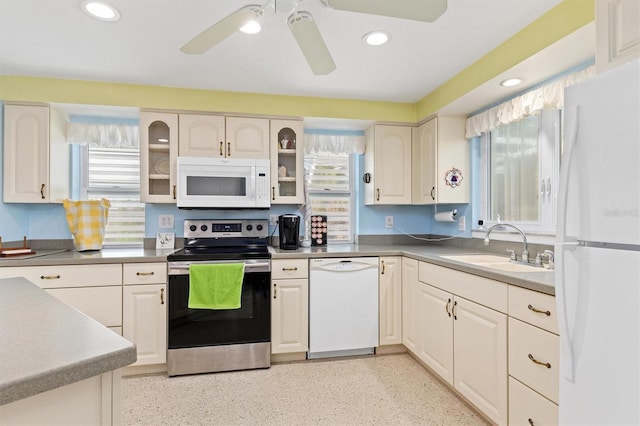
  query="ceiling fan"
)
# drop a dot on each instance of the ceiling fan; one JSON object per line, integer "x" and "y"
{"x": 304, "y": 29}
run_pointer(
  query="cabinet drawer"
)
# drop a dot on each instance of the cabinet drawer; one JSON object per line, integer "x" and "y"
{"x": 68, "y": 275}
{"x": 484, "y": 291}
{"x": 289, "y": 268}
{"x": 535, "y": 308}
{"x": 103, "y": 304}
{"x": 144, "y": 273}
{"x": 527, "y": 407}
{"x": 526, "y": 342}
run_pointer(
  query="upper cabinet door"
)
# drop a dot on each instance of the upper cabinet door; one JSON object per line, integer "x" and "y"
{"x": 36, "y": 155}
{"x": 617, "y": 33}
{"x": 158, "y": 157}
{"x": 247, "y": 138}
{"x": 201, "y": 136}
{"x": 287, "y": 162}
{"x": 388, "y": 165}
{"x": 424, "y": 163}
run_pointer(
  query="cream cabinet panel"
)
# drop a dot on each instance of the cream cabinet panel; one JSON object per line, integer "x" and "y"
{"x": 410, "y": 287}
{"x": 103, "y": 304}
{"x": 436, "y": 328}
{"x": 617, "y": 32}
{"x": 387, "y": 163}
{"x": 534, "y": 308}
{"x": 247, "y": 137}
{"x": 144, "y": 321}
{"x": 59, "y": 276}
{"x": 36, "y": 155}
{"x": 144, "y": 273}
{"x": 440, "y": 162}
{"x": 287, "y": 162}
{"x": 480, "y": 357}
{"x": 290, "y": 268}
{"x": 201, "y": 135}
{"x": 390, "y": 300}
{"x": 289, "y": 315}
{"x": 158, "y": 157}
{"x": 534, "y": 358}
{"x": 527, "y": 407}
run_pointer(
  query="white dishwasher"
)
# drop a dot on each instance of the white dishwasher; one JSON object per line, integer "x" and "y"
{"x": 343, "y": 306}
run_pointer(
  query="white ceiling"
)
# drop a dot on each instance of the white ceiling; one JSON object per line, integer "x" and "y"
{"x": 45, "y": 38}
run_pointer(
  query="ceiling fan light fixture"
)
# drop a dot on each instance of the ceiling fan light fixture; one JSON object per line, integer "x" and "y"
{"x": 376, "y": 38}
{"x": 510, "y": 82}
{"x": 100, "y": 10}
{"x": 251, "y": 27}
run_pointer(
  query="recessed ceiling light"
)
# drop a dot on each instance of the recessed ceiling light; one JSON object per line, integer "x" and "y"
{"x": 100, "y": 10}
{"x": 510, "y": 82}
{"x": 376, "y": 38}
{"x": 251, "y": 27}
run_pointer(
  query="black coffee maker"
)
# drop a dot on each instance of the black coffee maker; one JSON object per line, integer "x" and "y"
{"x": 289, "y": 226}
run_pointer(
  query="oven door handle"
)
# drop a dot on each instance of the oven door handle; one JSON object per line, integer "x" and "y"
{"x": 183, "y": 269}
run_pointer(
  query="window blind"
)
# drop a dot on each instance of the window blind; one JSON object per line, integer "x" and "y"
{"x": 114, "y": 174}
{"x": 328, "y": 180}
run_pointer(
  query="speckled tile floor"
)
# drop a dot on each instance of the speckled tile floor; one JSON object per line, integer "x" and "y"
{"x": 374, "y": 390}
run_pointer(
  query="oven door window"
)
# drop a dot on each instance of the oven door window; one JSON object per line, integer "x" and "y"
{"x": 206, "y": 327}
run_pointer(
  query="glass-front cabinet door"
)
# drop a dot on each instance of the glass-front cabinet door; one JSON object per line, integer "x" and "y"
{"x": 287, "y": 165}
{"x": 158, "y": 157}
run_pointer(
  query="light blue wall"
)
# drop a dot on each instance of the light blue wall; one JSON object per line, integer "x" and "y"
{"x": 48, "y": 221}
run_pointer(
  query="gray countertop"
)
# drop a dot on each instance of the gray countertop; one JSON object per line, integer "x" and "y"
{"x": 542, "y": 281}
{"x": 45, "y": 344}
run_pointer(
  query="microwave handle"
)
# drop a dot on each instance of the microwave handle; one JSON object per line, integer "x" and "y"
{"x": 253, "y": 183}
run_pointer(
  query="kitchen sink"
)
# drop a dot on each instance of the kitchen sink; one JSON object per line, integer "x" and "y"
{"x": 501, "y": 263}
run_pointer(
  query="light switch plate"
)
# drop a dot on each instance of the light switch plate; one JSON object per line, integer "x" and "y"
{"x": 165, "y": 221}
{"x": 461, "y": 223}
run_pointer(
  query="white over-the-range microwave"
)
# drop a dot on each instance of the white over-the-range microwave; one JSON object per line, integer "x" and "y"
{"x": 212, "y": 183}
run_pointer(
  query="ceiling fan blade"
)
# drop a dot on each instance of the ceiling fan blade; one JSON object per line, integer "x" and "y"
{"x": 415, "y": 10}
{"x": 308, "y": 37}
{"x": 221, "y": 30}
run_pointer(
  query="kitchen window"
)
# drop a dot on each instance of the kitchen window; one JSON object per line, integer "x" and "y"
{"x": 519, "y": 166}
{"x": 330, "y": 193}
{"x": 114, "y": 174}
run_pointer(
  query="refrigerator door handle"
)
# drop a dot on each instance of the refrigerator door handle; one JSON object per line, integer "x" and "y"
{"x": 571, "y": 126}
{"x": 566, "y": 340}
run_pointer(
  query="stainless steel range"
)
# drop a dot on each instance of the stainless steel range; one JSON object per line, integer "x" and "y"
{"x": 211, "y": 340}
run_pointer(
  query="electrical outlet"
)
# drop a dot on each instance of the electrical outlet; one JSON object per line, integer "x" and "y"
{"x": 388, "y": 222}
{"x": 273, "y": 219}
{"x": 165, "y": 221}
{"x": 461, "y": 223}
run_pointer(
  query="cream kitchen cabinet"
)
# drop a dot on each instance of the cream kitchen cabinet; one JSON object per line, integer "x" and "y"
{"x": 462, "y": 335}
{"x": 387, "y": 165}
{"x": 144, "y": 310}
{"x": 390, "y": 300}
{"x": 410, "y": 288}
{"x": 440, "y": 162}
{"x": 617, "y": 33}
{"x": 95, "y": 290}
{"x": 533, "y": 358}
{"x": 36, "y": 155}
{"x": 158, "y": 157}
{"x": 202, "y": 135}
{"x": 287, "y": 162}
{"x": 289, "y": 306}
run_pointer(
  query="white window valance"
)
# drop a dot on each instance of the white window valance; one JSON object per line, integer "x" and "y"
{"x": 550, "y": 95}
{"x": 103, "y": 135}
{"x": 333, "y": 144}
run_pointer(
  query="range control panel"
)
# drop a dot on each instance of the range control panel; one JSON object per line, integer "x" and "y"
{"x": 211, "y": 228}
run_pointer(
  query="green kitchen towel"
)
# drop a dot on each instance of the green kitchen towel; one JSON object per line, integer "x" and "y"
{"x": 215, "y": 286}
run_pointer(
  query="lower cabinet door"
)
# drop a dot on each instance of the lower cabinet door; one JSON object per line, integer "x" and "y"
{"x": 144, "y": 321}
{"x": 480, "y": 357}
{"x": 527, "y": 408}
{"x": 289, "y": 316}
{"x": 103, "y": 304}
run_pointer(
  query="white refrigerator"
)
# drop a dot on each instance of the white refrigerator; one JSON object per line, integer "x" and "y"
{"x": 598, "y": 251}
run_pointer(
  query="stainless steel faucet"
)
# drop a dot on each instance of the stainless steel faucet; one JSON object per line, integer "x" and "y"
{"x": 525, "y": 251}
